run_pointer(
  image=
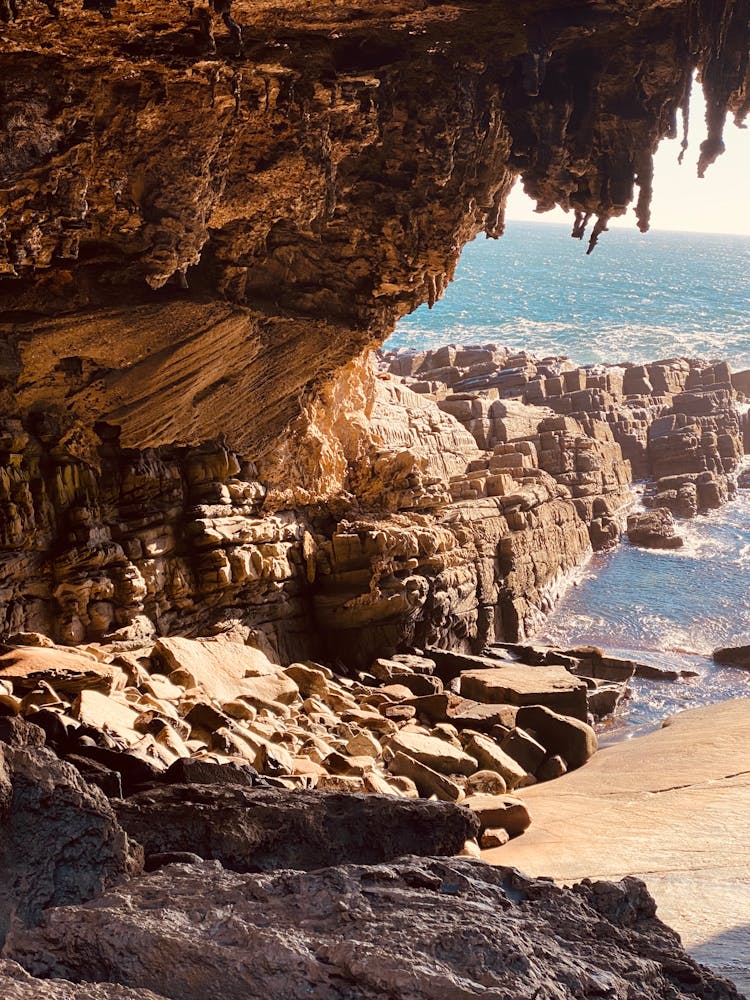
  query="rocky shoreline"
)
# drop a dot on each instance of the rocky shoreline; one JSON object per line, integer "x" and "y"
{"x": 359, "y": 672}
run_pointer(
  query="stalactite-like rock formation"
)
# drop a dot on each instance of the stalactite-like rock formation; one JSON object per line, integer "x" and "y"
{"x": 196, "y": 239}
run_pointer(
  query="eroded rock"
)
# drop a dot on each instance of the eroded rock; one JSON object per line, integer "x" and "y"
{"x": 415, "y": 930}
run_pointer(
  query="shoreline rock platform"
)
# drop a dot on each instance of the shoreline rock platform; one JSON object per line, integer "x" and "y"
{"x": 672, "y": 808}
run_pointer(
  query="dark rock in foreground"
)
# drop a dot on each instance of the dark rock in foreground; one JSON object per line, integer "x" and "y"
{"x": 60, "y": 842}
{"x": 17, "y": 984}
{"x": 414, "y": 930}
{"x": 265, "y": 828}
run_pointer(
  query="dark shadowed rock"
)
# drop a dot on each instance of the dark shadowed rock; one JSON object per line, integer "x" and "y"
{"x": 733, "y": 656}
{"x": 264, "y": 828}
{"x": 60, "y": 842}
{"x": 419, "y": 929}
{"x": 17, "y": 984}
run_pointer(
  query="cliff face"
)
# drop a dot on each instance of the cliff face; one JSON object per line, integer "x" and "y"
{"x": 195, "y": 243}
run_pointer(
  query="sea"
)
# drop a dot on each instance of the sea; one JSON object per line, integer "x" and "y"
{"x": 637, "y": 297}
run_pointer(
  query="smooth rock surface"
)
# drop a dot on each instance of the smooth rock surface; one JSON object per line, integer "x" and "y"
{"x": 420, "y": 929}
{"x": 519, "y": 684}
{"x": 671, "y": 807}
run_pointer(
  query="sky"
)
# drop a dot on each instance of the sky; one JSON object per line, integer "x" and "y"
{"x": 717, "y": 203}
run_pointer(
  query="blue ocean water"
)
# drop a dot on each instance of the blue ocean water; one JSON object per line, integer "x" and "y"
{"x": 636, "y": 298}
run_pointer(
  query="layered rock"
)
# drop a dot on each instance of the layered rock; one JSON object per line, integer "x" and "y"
{"x": 415, "y": 929}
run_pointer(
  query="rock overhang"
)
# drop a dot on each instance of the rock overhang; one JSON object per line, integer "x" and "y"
{"x": 192, "y": 242}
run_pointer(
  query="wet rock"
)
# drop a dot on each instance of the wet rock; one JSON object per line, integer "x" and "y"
{"x": 733, "y": 656}
{"x": 654, "y": 529}
{"x": 260, "y": 829}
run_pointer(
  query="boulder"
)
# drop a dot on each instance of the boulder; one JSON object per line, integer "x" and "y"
{"x": 503, "y": 811}
{"x": 653, "y": 529}
{"x": 524, "y": 749}
{"x": 491, "y": 757}
{"x": 263, "y": 828}
{"x": 416, "y": 929}
{"x": 484, "y": 718}
{"x": 428, "y": 782}
{"x": 571, "y": 739}
{"x": 733, "y": 656}
{"x": 438, "y": 754}
{"x": 487, "y": 782}
{"x": 519, "y": 684}
{"x": 225, "y": 670}
{"x": 60, "y": 842}
{"x": 66, "y": 670}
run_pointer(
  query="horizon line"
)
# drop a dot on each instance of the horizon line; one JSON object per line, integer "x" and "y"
{"x": 633, "y": 229}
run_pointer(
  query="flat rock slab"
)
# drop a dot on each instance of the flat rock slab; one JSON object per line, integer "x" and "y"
{"x": 419, "y": 929}
{"x": 67, "y": 671}
{"x": 265, "y": 828}
{"x": 519, "y": 684}
{"x": 672, "y": 807}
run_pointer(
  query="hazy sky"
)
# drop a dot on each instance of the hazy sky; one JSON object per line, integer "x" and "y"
{"x": 719, "y": 203}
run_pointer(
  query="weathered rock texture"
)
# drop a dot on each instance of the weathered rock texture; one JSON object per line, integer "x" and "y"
{"x": 17, "y": 984}
{"x": 194, "y": 244}
{"x": 417, "y": 929}
{"x": 60, "y": 842}
{"x": 264, "y": 829}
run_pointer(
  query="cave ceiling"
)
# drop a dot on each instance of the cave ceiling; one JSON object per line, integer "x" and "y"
{"x": 195, "y": 235}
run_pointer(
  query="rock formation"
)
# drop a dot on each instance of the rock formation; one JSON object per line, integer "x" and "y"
{"x": 211, "y": 488}
{"x": 197, "y": 240}
{"x": 416, "y": 929}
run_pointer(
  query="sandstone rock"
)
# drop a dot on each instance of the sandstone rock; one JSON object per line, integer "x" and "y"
{"x": 428, "y": 781}
{"x": 259, "y": 829}
{"x": 433, "y": 752}
{"x": 493, "y": 837}
{"x": 571, "y": 739}
{"x": 60, "y": 842}
{"x": 487, "y": 783}
{"x": 491, "y": 757}
{"x": 518, "y": 684}
{"x": 226, "y": 671}
{"x": 553, "y": 767}
{"x": 524, "y": 749}
{"x": 17, "y": 984}
{"x": 105, "y": 714}
{"x": 64, "y": 669}
{"x": 502, "y": 811}
{"x": 485, "y": 718}
{"x": 653, "y": 529}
